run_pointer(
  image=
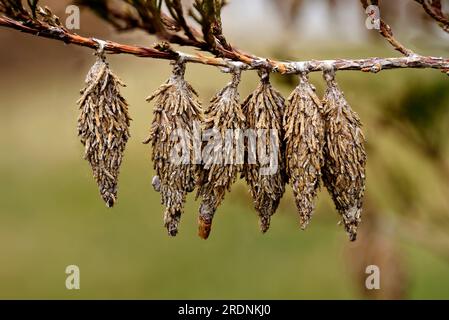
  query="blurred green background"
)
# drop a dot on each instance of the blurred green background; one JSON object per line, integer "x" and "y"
{"x": 51, "y": 215}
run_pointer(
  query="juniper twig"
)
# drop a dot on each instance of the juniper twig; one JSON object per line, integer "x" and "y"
{"x": 434, "y": 10}
{"x": 21, "y": 20}
{"x": 373, "y": 64}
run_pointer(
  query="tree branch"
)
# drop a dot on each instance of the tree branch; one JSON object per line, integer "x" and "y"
{"x": 61, "y": 34}
{"x": 207, "y": 14}
{"x": 165, "y": 52}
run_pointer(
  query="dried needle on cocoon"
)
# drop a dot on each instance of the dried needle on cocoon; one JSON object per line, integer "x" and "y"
{"x": 222, "y": 160}
{"x": 103, "y": 126}
{"x": 177, "y": 117}
{"x": 264, "y": 166}
{"x": 304, "y": 135}
{"x": 345, "y": 156}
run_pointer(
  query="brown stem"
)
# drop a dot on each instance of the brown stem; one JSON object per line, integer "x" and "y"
{"x": 177, "y": 12}
{"x": 71, "y": 38}
{"x": 433, "y": 9}
{"x": 387, "y": 33}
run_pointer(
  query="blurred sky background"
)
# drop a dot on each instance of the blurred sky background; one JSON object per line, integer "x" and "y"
{"x": 51, "y": 215}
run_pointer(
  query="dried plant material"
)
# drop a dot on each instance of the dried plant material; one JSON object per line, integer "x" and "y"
{"x": 48, "y": 17}
{"x": 304, "y": 134}
{"x": 220, "y": 168}
{"x": 177, "y": 116}
{"x": 345, "y": 157}
{"x": 264, "y": 109}
{"x": 103, "y": 127}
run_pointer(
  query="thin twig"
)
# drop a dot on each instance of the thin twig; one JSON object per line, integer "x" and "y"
{"x": 71, "y": 38}
{"x": 208, "y": 39}
{"x": 386, "y": 32}
{"x": 433, "y": 9}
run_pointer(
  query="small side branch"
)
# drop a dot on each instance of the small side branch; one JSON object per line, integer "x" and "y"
{"x": 386, "y": 32}
{"x": 434, "y": 10}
